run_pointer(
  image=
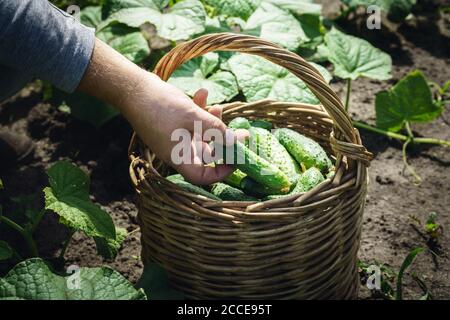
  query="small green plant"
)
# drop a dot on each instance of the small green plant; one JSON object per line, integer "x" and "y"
{"x": 391, "y": 279}
{"x": 409, "y": 101}
{"x": 396, "y": 10}
{"x": 68, "y": 196}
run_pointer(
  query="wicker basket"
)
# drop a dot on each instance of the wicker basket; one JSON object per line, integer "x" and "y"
{"x": 297, "y": 247}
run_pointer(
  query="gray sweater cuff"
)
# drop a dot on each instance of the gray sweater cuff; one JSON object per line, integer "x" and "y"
{"x": 38, "y": 39}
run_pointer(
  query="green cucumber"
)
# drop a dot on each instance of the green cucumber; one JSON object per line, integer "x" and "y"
{"x": 256, "y": 167}
{"x": 179, "y": 180}
{"x": 235, "y": 178}
{"x": 256, "y": 189}
{"x": 261, "y": 124}
{"x": 266, "y": 145}
{"x": 308, "y": 180}
{"x": 239, "y": 123}
{"x": 303, "y": 149}
{"x": 226, "y": 192}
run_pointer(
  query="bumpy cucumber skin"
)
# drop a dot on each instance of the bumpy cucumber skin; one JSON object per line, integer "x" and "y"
{"x": 179, "y": 180}
{"x": 266, "y": 145}
{"x": 239, "y": 123}
{"x": 257, "y": 168}
{"x": 262, "y": 124}
{"x": 229, "y": 193}
{"x": 256, "y": 189}
{"x": 303, "y": 149}
{"x": 308, "y": 180}
{"x": 235, "y": 178}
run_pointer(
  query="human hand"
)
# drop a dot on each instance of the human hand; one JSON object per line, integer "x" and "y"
{"x": 156, "y": 109}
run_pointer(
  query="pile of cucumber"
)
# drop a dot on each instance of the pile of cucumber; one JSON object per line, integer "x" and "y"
{"x": 273, "y": 164}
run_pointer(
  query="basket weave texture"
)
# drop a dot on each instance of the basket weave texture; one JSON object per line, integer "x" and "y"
{"x": 297, "y": 247}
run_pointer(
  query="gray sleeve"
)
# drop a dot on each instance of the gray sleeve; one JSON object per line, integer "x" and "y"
{"x": 40, "y": 40}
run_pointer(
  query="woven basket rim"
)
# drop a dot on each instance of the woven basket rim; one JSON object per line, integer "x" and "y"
{"x": 352, "y": 158}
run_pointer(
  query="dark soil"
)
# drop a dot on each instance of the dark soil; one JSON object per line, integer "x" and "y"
{"x": 389, "y": 232}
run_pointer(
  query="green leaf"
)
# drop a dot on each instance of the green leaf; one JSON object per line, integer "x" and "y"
{"x": 5, "y": 251}
{"x": 182, "y": 21}
{"x": 34, "y": 280}
{"x": 397, "y": 10}
{"x": 27, "y": 205}
{"x": 298, "y": 7}
{"x": 199, "y": 73}
{"x": 111, "y": 6}
{"x": 91, "y": 16}
{"x": 85, "y": 108}
{"x": 313, "y": 28}
{"x": 260, "y": 79}
{"x": 353, "y": 57}
{"x": 276, "y": 25}
{"x": 234, "y": 8}
{"x": 155, "y": 283}
{"x": 405, "y": 265}
{"x": 409, "y": 100}
{"x": 68, "y": 196}
{"x": 130, "y": 44}
{"x": 109, "y": 248}
{"x": 128, "y": 41}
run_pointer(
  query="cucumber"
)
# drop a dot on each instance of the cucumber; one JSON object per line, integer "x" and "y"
{"x": 303, "y": 149}
{"x": 179, "y": 180}
{"x": 308, "y": 180}
{"x": 235, "y": 178}
{"x": 261, "y": 124}
{"x": 239, "y": 123}
{"x": 256, "y": 189}
{"x": 226, "y": 192}
{"x": 266, "y": 145}
{"x": 256, "y": 167}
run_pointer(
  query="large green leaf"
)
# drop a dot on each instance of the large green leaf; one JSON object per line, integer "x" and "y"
{"x": 409, "y": 100}
{"x": 5, "y": 251}
{"x": 298, "y": 7}
{"x": 260, "y": 79}
{"x": 182, "y": 21}
{"x": 131, "y": 44}
{"x": 201, "y": 73}
{"x": 277, "y": 25}
{"x": 397, "y": 10}
{"x": 68, "y": 196}
{"x": 155, "y": 283}
{"x": 109, "y": 248}
{"x": 234, "y": 8}
{"x": 111, "y": 6}
{"x": 34, "y": 280}
{"x": 128, "y": 41}
{"x": 353, "y": 57}
{"x": 91, "y": 16}
{"x": 85, "y": 107}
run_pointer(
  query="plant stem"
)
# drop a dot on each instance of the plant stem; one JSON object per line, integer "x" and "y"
{"x": 407, "y": 166}
{"x": 347, "y": 95}
{"x": 380, "y": 131}
{"x": 399, "y": 136}
{"x": 25, "y": 234}
{"x": 38, "y": 220}
{"x": 66, "y": 245}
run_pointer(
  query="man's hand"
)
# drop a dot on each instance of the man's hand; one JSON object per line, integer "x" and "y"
{"x": 155, "y": 109}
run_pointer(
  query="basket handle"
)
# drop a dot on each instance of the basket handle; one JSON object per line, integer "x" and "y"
{"x": 344, "y": 140}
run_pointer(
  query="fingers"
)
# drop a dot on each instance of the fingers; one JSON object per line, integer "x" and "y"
{"x": 200, "y": 98}
{"x": 216, "y": 111}
{"x": 201, "y": 175}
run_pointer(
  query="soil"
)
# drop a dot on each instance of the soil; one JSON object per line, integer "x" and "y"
{"x": 389, "y": 231}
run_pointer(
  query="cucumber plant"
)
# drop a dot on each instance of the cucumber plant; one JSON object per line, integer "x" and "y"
{"x": 409, "y": 101}
{"x": 391, "y": 282}
{"x": 68, "y": 196}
